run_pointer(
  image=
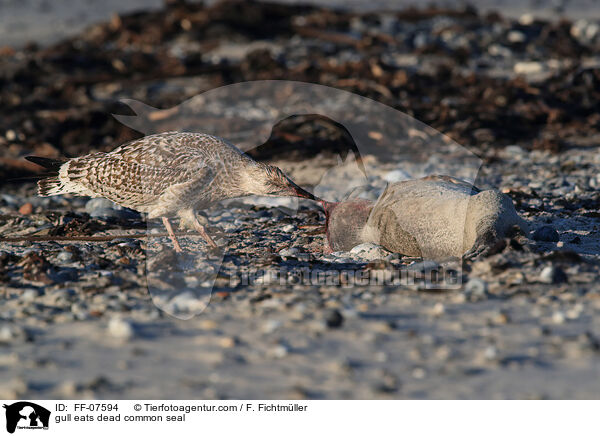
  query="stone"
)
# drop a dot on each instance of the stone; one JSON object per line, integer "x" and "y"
{"x": 30, "y": 295}
{"x": 514, "y": 151}
{"x": 396, "y": 176}
{"x": 333, "y": 318}
{"x": 183, "y": 304}
{"x": 438, "y": 309}
{"x": 121, "y": 329}
{"x": 26, "y": 209}
{"x": 103, "y": 208}
{"x": 11, "y": 333}
{"x": 279, "y": 351}
{"x": 553, "y": 274}
{"x": 515, "y": 37}
{"x": 10, "y": 135}
{"x": 585, "y": 31}
{"x": 65, "y": 257}
{"x": 289, "y": 252}
{"x": 228, "y": 342}
{"x": 558, "y": 317}
{"x": 476, "y": 288}
{"x": 288, "y": 228}
{"x": 530, "y": 67}
{"x": 99, "y": 203}
{"x": 369, "y": 251}
{"x": 114, "y": 213}
{"x": 425, "y": 266}
{"x": 270, "y": 326}
{"x": 546, "y": 234}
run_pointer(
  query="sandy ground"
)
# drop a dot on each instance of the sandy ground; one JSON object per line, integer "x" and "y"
{"x": 514, "y": 330}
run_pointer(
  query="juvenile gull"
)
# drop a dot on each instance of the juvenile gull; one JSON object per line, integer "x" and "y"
{"x": 168, "y": 174}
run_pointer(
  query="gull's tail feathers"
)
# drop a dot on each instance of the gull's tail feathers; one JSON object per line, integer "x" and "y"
{"x": 57, "y": 181}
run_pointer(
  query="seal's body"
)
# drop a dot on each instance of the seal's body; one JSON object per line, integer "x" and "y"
{"x": 435, "y": 217}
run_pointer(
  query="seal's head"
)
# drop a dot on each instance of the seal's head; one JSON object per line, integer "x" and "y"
{"x": 345, "y": 222}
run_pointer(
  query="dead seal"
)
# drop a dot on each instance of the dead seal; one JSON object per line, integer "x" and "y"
{"x": 435, "y": 217}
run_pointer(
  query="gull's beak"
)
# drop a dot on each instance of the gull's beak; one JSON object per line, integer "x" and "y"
{"x": 297, "y": 191}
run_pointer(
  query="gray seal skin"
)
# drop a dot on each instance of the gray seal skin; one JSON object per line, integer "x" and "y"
{"x": 436, "y": 217}
{"x": 345, "y": 222}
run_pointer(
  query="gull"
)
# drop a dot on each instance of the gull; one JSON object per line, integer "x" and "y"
{"x": 172, "y": 174}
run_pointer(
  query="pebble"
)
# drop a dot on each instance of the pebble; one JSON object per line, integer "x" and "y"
{"x": 514, "y": 151}
{"x": 26, "y": 209}
{"x": 333, "y": 318}
{"x": 121, "y": 329}
{"x": 396, "y": 176}
{"x": 184, "y": 304}
{"x": 9, "y": 359}
{"x": 438, "y": 309}
{"x": 14, "y": 388}
{"x": 476, "y": 288}
{"x": 228, "y": 342}
{"x": 65, "y": 275}
{"x": 388, "y": 383}
{"x": 369, "y": 251}
{"x": 337, "y": 257}
{"x": 288, "y": 228}
{"x": 528, "y": 67}
{"x": 279, "y": 351}
{"x": 10, "y": 199}
{"x": 425, "y": 266}
{"x": 114, "y": 213}
{"x": 558, "y": 317}
{"x": 67, "y": 389}
{"x": 575, "y": 312}
{"x": 271, "y": 325}
{"x": 289, "y": 252}
{"x": 419, "y": 373}
{"x": 65, "y": 257}
{"x": 11, "y": 333}
{"x": 491, "y": 353}
{"x": 585, "y": 31}
{"x": 10, "y": 135}
{"x": 553, "y": 274}
{"x": 30, "y": 295}
{"x": 546, "y": 234}
{"x": 514, "y": 36}
{"x": 526, "y": 19}
{"x": 103, "y": 208}
{"x": 501, "y": 318}
{"x": 208, "y": 324}
{"x": 99, "y": 203}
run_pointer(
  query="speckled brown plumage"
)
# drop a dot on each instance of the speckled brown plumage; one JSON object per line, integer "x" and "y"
{"x": 170, "y": 174}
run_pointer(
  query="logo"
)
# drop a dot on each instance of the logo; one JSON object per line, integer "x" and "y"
{"x": 26, "y": 415}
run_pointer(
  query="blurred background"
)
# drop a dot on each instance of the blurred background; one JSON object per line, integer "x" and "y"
{"x": 486, "y": 74}
{"x": 46, "y": 21}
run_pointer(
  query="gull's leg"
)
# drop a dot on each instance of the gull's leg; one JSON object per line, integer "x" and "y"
{"x": 200, "y": 229}
{"x": 189, "y": 219}
{"x": 172, "y": 234}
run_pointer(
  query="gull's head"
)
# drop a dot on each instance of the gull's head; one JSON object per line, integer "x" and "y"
{"x": 270, "y": 180}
